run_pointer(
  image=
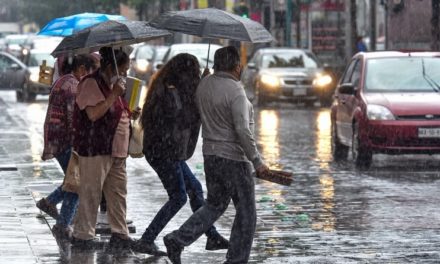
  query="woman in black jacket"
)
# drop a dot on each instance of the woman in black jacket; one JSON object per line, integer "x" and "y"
{"x": 171, "y": 125}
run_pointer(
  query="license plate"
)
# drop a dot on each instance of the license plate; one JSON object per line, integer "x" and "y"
{"x": 300, "y": 91}
{"x": 429, "y": 132}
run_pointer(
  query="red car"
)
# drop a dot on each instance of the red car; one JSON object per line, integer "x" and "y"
{"x": 387, "y": 102}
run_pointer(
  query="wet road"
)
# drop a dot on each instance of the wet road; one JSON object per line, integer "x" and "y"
{"x": 331, "y": 213}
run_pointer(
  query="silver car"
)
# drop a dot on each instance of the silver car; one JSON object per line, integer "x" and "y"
{"x": 275, "y": 74}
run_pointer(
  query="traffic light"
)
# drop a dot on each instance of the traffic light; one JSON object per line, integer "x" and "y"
{"x": 242, "y": 10}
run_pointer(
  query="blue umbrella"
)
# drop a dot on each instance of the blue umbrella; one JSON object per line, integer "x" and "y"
{"x": 66, "y": 26}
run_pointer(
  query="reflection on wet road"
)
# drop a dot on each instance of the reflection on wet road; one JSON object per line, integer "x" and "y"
{"x": 330, "y": 214}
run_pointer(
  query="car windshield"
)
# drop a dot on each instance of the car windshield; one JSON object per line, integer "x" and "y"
{"x": 160, "y": 53}
{"x": 36, "y": 59}
{"x": 201, "y": 52}
{"x": 414, "y": 74}
{"x": 145, "y": 53}
{"x": 291, "y": 59}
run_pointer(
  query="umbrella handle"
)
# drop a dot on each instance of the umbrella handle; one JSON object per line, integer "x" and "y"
{"x": 209, "y": 48}
{"x": 116, "y": 65}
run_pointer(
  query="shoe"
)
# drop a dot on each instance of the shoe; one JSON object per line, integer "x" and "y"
{"x": 216, "y": 242}
{"x": 119, "y": 241}
{"x": 173, "y": 249}
{"x": 86, "y": 244}
{"x": 48, "y": 208}
{"x": 145, "y": 247}
{"x": 61, "y": 232}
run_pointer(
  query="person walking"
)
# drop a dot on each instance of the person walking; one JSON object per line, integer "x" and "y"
{"x": 102, "y": 130}
{"x": 228, "y": 146}
{"x": 171, "y": 125}
{"x": 58, "y": 139}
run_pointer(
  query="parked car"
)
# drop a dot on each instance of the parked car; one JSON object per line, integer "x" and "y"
{"x": 286, "y": 74}
{"x": 200, "y": 50}
{"x": 17, "y": 43}
{"x": 387, "y": 102}
{"x": 144, "y": 60}
{"x": 31, "y": 86}
{"x": 12, "y": 71}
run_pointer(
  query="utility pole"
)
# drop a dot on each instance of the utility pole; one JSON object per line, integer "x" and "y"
{"x": 373, "y": 25}
{"x": 435, "y": 30}
{"x": 288, "y": 23}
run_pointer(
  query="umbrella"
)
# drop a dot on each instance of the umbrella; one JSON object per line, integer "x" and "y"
{"x": 213, "y": 23}
{"x": 110, "y": 33}
{"x": 66, "y": 26}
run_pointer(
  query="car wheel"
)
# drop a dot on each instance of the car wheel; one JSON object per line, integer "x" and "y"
{"x": 19, "y": 96}
{"x": 339, "y": 151}
{"x": 28, "y": 96}
{"x": 362, "y": 156}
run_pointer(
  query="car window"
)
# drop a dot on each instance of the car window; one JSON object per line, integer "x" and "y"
{"x": 355, "y": 77}
{"x": 348, "y": 72}
{"x": 36, "y": 59}
{"x": 5, "y": 62}
{"x": 160, "y": 53}
{"x": 415, "y": 74}
{"x": 295, "y": 59}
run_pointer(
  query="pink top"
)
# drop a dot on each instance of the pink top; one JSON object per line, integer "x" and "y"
{"x": 94, "y": 96}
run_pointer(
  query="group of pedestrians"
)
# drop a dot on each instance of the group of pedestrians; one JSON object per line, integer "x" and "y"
{"x": 178, "y": 103}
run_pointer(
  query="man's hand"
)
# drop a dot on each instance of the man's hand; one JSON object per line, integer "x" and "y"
{"x": 136, "y": 113}
{"x": 205, "y": 72}
{"x": 262, "y": 170}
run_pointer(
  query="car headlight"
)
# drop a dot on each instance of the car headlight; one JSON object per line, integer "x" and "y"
{"x": 378, "y": 112}
{"x": 34, "y": 76}
{"x": 270, "y": 80}
{"x": 322, "y": 80}
{"x": 142, "y": 65}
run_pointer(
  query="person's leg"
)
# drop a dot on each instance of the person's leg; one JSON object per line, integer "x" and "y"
{"x": 195, "y": 194}
{"x": 93, "y": 171}
{"x": 219, "y": 196}
{"x": 243, "y": 229}
{"x": 171, "y": 176}
{"x": 57, "y": 195}
{"x": 115, "y": 191}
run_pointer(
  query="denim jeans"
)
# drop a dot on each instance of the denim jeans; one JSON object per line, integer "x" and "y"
{"x": 179, "y": 181}
{"x": 70, "y": 200}
{"x": 225, "y": 179}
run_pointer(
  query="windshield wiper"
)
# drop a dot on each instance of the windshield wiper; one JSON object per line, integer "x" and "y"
{"x": 428, "y": 79}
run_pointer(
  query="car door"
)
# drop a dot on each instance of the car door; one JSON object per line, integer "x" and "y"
{"x": 345, "y": 103}
{"x": 10, "y": 72}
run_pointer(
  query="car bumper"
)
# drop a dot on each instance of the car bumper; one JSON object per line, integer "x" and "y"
{"x": 400, "y": 137}
{"x": 38, "y": 88}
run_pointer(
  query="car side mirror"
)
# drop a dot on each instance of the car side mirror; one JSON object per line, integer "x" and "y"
{"x": 251, "y": 66}
{"x": 347, "y": 88}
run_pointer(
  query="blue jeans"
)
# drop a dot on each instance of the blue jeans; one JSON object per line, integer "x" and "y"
{"x": 70, "y": 200}
{"x": 178, "y": 181}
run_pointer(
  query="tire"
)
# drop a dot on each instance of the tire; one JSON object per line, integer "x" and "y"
{"x": 19, "y": 96}
{"x": 28, "y": 96}
{"x": 339, "y": 151}
{"x": 362, "y": 156}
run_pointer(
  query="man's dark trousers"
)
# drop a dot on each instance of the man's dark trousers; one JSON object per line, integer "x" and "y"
{"x": 225, "y": 179}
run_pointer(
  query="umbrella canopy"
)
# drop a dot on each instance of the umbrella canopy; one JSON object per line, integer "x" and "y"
{"x": 66, "y": 26}
{"x": 213, "y": 23}
{"x": 110, "y": 33}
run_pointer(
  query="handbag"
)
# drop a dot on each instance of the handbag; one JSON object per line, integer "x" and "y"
{"x": 71, "y": 179}
{"x": 135, "y": 145}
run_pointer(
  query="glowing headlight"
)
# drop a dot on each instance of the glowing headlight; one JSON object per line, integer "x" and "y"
{"x": 142, "y": 65}
{"x": 34, "y": 76}
{"x": 322, "y": 80}
{"x": 270, "y": 80}
{"x": 378, "y": 112}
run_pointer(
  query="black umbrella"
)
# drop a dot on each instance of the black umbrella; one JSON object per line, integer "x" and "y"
{"x": 109, "y": 33}
{"x": 213, "y": 23}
